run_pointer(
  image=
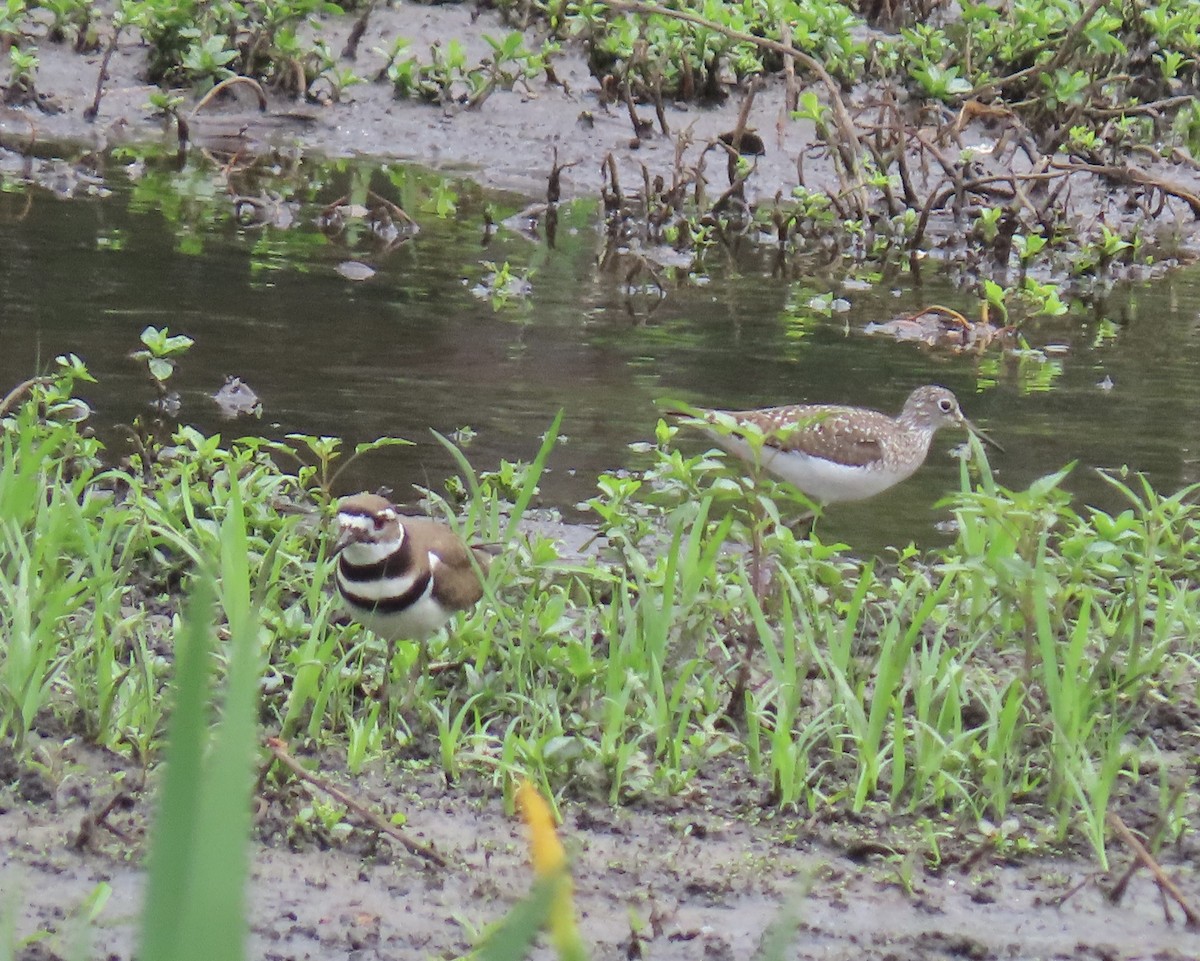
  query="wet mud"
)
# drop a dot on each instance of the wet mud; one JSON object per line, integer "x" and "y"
{"x": 704, "y": 875}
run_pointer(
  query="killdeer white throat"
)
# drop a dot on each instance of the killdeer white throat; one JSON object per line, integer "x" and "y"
{"x": 834, "y": 453}
{"x": 402, "y": 577}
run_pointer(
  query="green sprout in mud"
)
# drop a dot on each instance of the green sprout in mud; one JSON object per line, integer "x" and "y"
{"x": 22, "y": 70}
{"x": 160, "y": 354}
{"x": 338, "y": 78}
{"x": 446, "y": 73}
{"x": 944, "y": 83}
{"x": 207, "y": 61}
{"x": 1098, "y": 256}
{"x": 1028, "y": 247}
{"x": 1043, "y": 298}
{"x": 12, "y": 20}
{"x": 328, "y": 817}
{"x": 810, "y": 107}
{"x": 71, "y": 21}
{"x": 1171, "y": 63}
{"x": 987, "y": 224}
{"x": 165, "y": 104}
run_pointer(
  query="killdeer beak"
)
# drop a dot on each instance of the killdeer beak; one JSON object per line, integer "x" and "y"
{"x": 346, "y": 536}
{"x": 983, "y": 436}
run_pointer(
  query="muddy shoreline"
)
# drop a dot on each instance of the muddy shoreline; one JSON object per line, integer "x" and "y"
{"x": 698, "y": 876}
{"x": 508, "y": 143}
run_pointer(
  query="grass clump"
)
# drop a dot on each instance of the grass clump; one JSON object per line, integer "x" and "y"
{"x": 1022, "y": 672}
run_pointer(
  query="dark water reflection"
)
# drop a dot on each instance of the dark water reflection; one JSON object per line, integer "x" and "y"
{"x": 414, "y": 347}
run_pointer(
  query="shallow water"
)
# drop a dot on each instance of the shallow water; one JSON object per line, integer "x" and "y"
{"x": 414, "y": 348}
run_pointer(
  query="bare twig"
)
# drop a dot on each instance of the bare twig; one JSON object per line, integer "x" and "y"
{"x": 660, "y": 109}
{"x": 279, "y": 749}
{"x": 611, "y": 191}
{"x": 554, "y": 184}
{"x": 1154, "y": 108}
{"x": 1133, "y": 175}
{"x": 90, "y": 822}
{"x": 640, "y": 127}
{"x": 1165, "y": 884}
{"x": 791, "y": 96}
{"x": 14, "y": 395}
{"x": 92, "y": 112}
{"x": 229, "y": 82}
{"x": 350, "y": 50}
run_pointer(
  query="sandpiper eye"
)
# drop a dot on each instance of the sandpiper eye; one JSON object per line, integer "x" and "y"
{"x": 945, "y": 405}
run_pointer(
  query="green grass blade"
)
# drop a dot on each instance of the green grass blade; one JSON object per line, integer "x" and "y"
{"x": 533, "y": 476}
{"x": 173, "y": 842}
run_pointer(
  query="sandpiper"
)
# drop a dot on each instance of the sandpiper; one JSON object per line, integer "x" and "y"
{"x": 402, "y": 577}
{"x": 834, "y": 453}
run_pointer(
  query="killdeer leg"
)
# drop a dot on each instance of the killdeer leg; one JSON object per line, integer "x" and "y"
{"x": 402, "y": 692}
{"x": 388, "y": 665}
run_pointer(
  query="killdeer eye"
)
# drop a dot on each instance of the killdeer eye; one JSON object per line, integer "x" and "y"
{"x": 380, "y": 520}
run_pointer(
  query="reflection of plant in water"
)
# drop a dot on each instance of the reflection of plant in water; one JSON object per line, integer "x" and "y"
{"x": 503, "y": 287}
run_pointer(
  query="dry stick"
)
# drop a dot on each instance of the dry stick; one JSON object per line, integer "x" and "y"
{"x": 910, "y": 192}
{"x": 279, "y": 749}
{"x": 739, "y": 130}
{"x": 14, "y": 395}
{"x": 1165, "y": 884}
{"x": 350, "y": 50}
{"x": 1133, "y": 175}
{"x": 935, "y": 199}
{"x": 554, "y": 183}
{"x": 791, "y": 96}
{"x": 1153, "y": 108}
{"x": 660, "y": 110}
{"x": 849, "y": 148}
{"x": 92, "y": 112}
{"x": 743, "y": 116}
{"x": 100, "y": 819}
{"x": 229, "y": 82}
{"x": 1064, "y": 51}
{"x": 1118, "y": 890}
{"x": 640, "y": 126}
{"x": 1062, "y": 899}
{"x": 612, "y": 197}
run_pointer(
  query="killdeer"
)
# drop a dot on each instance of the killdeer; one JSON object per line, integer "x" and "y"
{"x": 834, "y": 453}
{"x": 402, "y": 577}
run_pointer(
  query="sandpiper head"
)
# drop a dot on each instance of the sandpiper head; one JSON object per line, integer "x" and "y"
{"x": 933, "y": 407}
{"x": 367, "y": 524}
